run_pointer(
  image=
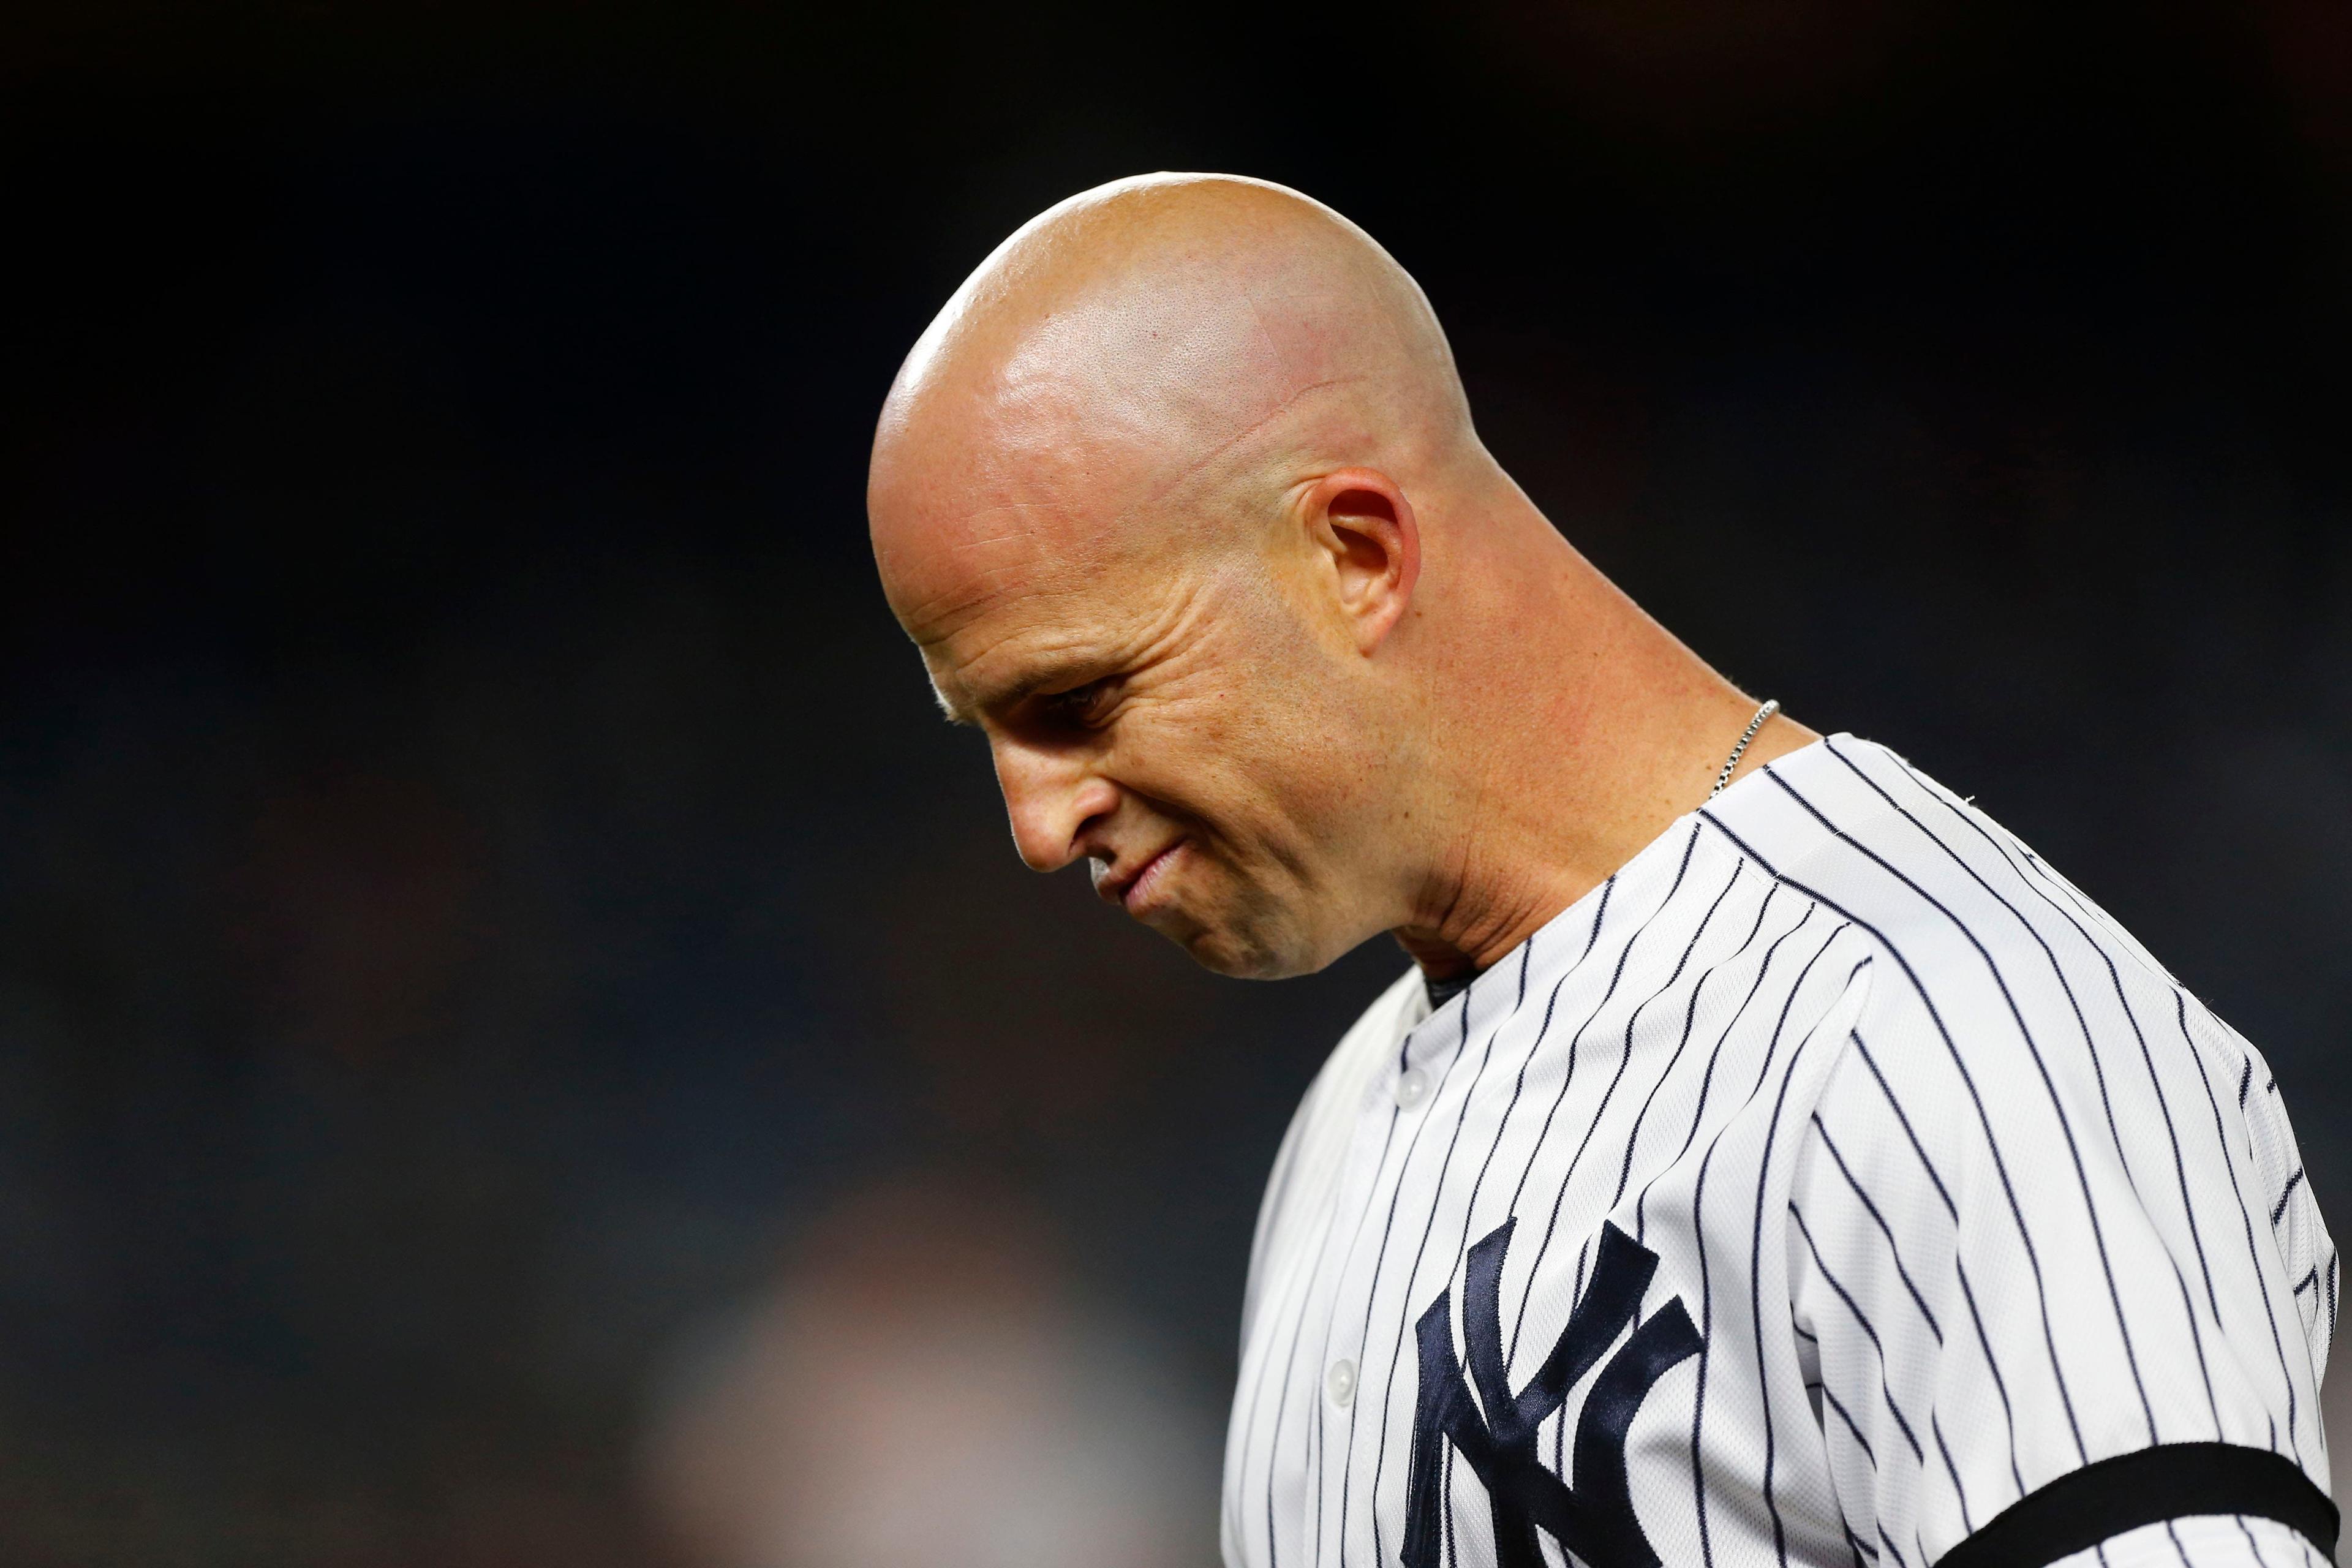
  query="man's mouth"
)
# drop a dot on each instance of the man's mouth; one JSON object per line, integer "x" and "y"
{"x": 1134, "y": 893}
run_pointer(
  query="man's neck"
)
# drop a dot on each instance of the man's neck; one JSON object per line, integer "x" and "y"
{"x": 1578, "y": 749}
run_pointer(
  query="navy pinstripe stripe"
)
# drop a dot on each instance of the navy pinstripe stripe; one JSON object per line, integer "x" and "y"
{"x": 1624, "y": 1059}
{"x": 1699, "y": 1231}
{"x": 1279, "y": 1186}
{"x": 1706, "y": 1287}
{"x": 2189, "y": 1310}
{"x": 1380, "y": 1263}
{"x": 1331, "y": 1317}
{"x": 1633, "y": 1021}
{"x": 1257, "y": 1389}
{"x": 1304, "y": 1280}
{"x": 1886, "y": 1393}
{"x": 1502, "y": 1124}
{"x": 2098, "y": 1234}
{"x": 1852, "y": 1425}
{"x": 1892, "y": 1250}
{"x": 1959, "y": 1492}
{"x": 1690, "y": 1020}
{"x": 1518, "y": 1088}
{"x": 1404, "y": 1306}
{"x": 1274, "y": 1438}
{"x": 1290, "y": 1368}
{"x": 1959, "y": 1270}
{"x": 1560, "y": 1435}
{"x": 1756, "y": 1251}
{"x": 1317, "y": 1435}
{"x": 2033, "y": 1049}
{"x": 1543, "y": 1133}
{"x": 1984, "y": 1118}
{"x": 2278, "y": 1210}
{"x": 2245, "y": 1085}
{"x": 2026, "y": 874}
{"x": 2253, "y": 1257}
{"x": 2032, "y": 874}
{"x": 1707, "y": 1080}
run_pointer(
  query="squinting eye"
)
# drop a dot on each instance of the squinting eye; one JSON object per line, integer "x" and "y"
{"x": 1080, "y": 704}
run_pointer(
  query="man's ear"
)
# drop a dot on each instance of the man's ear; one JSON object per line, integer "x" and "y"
{"x": 1362, "y": 529}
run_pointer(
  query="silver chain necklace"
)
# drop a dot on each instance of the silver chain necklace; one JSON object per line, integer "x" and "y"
{"x": 1732, "y": 762}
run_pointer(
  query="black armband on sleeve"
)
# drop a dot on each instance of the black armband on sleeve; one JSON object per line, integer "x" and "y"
{"x": 2172, "y": 1480}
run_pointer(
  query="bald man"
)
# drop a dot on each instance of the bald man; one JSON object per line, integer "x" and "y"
{"x": 1767, "y": 1158}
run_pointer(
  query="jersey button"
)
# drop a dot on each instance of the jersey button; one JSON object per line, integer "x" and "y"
{"x": 1412, "y": 1088}
{"x": 1340, "y": 1383}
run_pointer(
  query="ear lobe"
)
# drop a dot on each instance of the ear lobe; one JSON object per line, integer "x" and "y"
{"x": 1365, "y": 526}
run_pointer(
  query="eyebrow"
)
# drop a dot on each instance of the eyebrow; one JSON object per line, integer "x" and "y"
{"x": 1070, "y": 670}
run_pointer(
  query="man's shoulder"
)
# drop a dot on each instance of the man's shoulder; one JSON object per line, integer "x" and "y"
{"x": 1994, "y": 971}
{"x": 1959, "y": 904}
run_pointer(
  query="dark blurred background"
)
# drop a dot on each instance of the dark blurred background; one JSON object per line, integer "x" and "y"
{"x": 522, "y": 1037}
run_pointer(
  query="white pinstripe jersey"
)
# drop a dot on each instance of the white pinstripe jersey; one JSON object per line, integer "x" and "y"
{"x": 1830, "y": 1180}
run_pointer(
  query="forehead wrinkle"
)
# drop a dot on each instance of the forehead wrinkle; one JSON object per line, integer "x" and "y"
{"x": 1059, "y": 655}
{"x": 1055, "y": 654}
{"x": 951, "y": 586}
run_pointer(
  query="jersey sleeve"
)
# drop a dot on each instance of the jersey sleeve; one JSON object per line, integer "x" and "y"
{"x": 2057, "y": 1283}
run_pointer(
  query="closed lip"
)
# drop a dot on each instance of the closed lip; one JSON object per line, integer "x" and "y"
{"x": 1122, "y": 891}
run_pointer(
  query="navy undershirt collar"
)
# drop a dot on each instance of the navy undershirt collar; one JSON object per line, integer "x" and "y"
{"x": 1440, "y": 992}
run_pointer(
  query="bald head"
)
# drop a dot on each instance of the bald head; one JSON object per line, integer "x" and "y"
{"x": 1154, "y": 494}
{"x": 1159, "y": 356}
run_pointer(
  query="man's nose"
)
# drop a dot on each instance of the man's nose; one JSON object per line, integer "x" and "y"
{"x": 1052, "y": 797}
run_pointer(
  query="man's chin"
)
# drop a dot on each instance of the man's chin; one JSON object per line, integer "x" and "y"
{"x": 1250, "y": 937}
{"x": 1239, "y": 955}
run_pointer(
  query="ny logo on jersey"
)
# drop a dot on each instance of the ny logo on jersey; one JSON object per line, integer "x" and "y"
{"x": 1593, "y": 1518}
